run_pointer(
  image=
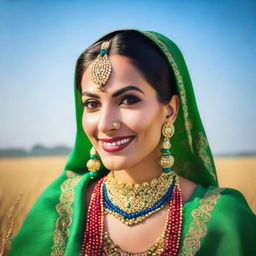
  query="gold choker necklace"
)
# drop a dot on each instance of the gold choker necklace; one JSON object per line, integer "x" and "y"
{"x": 134, "y": 198}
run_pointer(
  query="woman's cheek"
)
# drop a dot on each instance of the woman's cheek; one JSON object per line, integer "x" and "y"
{"x": 89, "y": 123}
{"x": 132, "y": 120}
{"x": 139, "y": 120}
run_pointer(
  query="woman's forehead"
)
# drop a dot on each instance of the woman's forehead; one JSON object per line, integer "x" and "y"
{"x": 123, "y": 74}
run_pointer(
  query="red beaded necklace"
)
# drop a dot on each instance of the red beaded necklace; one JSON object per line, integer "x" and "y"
{"x": 93, "y": 237}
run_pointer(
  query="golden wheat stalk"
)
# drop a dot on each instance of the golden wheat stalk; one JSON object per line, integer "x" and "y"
{"x": 11, "y": 218}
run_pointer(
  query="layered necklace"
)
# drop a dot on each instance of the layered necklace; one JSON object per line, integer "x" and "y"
{"x": 131, "y": 204}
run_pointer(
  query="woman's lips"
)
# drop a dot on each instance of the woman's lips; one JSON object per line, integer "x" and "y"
{"x": 116, "y": 144}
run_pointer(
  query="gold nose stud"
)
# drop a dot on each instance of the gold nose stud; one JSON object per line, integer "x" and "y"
{"x": 116, "y": 125}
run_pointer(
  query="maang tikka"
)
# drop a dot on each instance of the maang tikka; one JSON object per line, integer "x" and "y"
{"x": 101, "y": 67}
{"x": 167, "y": 160}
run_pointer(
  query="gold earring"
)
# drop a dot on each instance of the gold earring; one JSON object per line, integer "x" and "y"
{"x": 167, "y": 160}
{"x": 93, "y": 164}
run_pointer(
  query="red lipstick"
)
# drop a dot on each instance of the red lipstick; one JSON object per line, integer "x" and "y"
{"x": 116, "y": 144}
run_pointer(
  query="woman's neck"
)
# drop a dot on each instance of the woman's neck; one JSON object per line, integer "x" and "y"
{"x": 145, "y": 171}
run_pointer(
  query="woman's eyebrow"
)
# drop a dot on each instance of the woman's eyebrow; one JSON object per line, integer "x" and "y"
{"x": 89, "y": 94}
{"x": 115, "y": 94}
{"x": 128, "y": 88}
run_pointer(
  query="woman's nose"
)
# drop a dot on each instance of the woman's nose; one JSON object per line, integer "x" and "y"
{"x": 107, "y": 116}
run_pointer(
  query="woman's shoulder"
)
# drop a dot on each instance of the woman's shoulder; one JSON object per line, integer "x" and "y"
{"x": 229, "y": 199}
{"x": 225, "y": 199}
{"x": 218, "y": 220}
{"x": 232, "y": 199}
{"x": 220, "y": 205}
{"x": 227, "y": 207}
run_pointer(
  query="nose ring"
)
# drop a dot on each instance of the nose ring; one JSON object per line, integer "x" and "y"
{"x": 116, "y": 125}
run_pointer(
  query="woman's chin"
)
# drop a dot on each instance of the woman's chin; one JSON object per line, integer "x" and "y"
{"x": 115, "y": 164}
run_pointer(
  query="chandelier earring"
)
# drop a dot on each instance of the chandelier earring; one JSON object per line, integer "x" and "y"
{"x": 167, "y": 160}
{"x": 93, "y": 164}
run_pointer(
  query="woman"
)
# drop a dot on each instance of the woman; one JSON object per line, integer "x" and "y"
{"x": 132, "y": 88}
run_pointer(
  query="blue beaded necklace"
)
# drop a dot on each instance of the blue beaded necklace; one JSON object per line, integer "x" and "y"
{"x": 135, "y": 217}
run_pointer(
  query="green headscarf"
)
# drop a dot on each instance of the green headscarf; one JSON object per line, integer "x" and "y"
{"x": 56, "y": 222}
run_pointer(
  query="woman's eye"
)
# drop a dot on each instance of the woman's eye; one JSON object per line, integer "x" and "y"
{"x": 129, "y": 100}
{"x": 91, "y": 104}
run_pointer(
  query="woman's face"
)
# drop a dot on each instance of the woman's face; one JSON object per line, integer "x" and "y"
{"x": 130, "y": 100}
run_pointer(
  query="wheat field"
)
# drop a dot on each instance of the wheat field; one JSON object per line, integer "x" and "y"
{"x": 24, "y": 179}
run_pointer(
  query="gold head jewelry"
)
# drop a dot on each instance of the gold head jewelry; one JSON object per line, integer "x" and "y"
{"x": 116, "y": 125}
{"x": 132, "y": 198}
{"x": 167, "y": 160}
{"x": 101, "y": 67}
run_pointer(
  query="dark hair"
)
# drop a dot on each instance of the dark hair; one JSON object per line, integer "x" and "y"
{"x": 144, "y": 54}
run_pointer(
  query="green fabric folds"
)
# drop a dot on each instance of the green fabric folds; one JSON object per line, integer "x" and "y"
{"x": 55, "y": 224}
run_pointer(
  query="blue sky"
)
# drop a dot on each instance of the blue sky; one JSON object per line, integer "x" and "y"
{"x": 41, "y": 40}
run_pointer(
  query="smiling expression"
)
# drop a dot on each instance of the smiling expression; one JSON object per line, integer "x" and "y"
{"x": 130, "y": 100}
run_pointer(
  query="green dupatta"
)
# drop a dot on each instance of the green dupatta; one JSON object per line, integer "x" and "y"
{"x": 55, "y": 224}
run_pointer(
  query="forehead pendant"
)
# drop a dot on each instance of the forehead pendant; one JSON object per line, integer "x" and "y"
{"x": 101, "y": 67}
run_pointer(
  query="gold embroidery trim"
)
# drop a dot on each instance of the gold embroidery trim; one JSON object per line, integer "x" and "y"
{"x": 197, "y": 228}
{"x": 65, "y": 211}
{"x": 202, "y": 145}
{"x": 188, "y": 123}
